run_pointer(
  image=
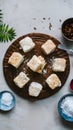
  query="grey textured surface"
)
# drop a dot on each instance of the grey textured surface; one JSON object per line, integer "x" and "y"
{"x": 24, "y": 15}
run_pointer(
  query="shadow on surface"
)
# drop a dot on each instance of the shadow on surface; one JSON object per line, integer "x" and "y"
{"x": 67, "y": 124}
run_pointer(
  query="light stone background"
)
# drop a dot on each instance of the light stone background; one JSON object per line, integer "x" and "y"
{"x": 20, "y": 14}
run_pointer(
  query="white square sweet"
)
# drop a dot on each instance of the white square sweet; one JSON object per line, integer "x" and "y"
{"x": 15, "y": 59}
{"x": 53, "y": 81}
{"x": 27, "y": 44}
{"x": 35, "y": 89}
{"x": 59, "y": 64}
{"x": 34, "y": 64}
{"x": 43, "y": 64}
{"x": 21, "y": 80}
{"x": 48, "y": 47}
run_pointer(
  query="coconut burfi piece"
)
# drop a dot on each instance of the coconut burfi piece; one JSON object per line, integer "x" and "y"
{"x": 43, "y": 64}
{"x": 27, "y": 44}
{"x": 59, "y": 64}
{"x": 48, "y": 47}
{"x": 53, "y": 81}
{"x": 15, "y": 59}
{"x": 35, "y": 89}
{"x": 21, "y": 80}
{"x": 34, "y": 64}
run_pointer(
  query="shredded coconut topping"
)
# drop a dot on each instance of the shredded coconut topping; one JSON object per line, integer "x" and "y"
{"x": 67, "y": 106}
{"x": 6, "y": 99}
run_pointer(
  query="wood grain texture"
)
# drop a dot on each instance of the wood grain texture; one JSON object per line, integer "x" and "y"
{"x": 10, "y": 72}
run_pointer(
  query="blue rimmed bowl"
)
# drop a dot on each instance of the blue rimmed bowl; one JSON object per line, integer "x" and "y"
{"x": 60, "y": 109}
{"x": 4, "y": 107}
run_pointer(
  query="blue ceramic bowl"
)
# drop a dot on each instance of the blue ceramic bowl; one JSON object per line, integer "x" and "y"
{"x": 60, "y": 110}
{"x": 4, "y": 107}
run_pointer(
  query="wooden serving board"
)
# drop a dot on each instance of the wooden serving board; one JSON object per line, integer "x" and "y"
{"x": 10, "y": 72}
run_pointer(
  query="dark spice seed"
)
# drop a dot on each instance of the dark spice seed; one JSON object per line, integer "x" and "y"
{"x": 50, "y": 26}
{"x": 44, "y": 18}
{"x": 35, "y": 28}
{"x": 60, "y": 20}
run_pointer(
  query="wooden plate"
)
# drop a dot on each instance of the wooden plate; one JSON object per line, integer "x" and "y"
{"x": 10, "y": 73}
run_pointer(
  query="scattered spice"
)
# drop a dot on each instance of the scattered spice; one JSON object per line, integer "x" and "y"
{"x": 50, "y": 26}
{"x": 35, "y": 28}
{"x": 44, "y": 18}
{"x": 60, "y": 20}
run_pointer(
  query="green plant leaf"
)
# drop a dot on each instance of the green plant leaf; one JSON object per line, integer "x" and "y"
{"x": 6, "y": 33}
{"x": 1, "y": 16}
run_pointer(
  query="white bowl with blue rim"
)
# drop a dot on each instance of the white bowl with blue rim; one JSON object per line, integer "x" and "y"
{"x": 61, "y": 111}
{"x": 7, "y": 105}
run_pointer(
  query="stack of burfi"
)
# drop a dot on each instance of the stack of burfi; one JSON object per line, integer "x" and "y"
{"x": 36, "y": 64}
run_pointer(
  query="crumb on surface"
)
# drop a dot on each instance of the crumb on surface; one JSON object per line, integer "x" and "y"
{"x": 50, "y": 26}
{"x": 34, "y": 18}
{"x": 49, "y": 18}
{"x": 60, "y": 20}
{"x": 44, "y": 18}
{"x": 35, "y": 28}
